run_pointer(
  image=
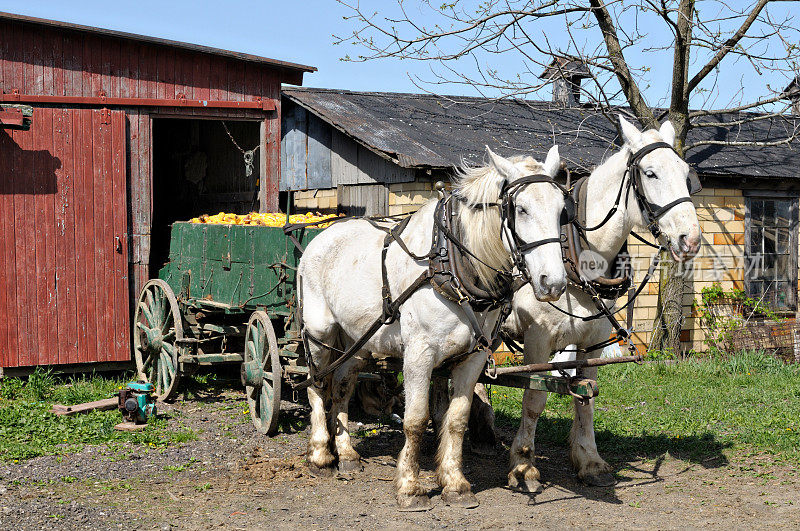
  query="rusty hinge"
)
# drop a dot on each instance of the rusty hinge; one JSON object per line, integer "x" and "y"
{"x": 105, "y": 116}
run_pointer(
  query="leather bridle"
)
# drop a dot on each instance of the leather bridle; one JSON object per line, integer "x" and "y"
{"x": 508, "y": 218}
{"x": 650, "y": 211}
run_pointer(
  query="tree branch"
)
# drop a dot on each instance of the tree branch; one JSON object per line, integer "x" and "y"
{"x": 746, "y": 106}
{"x": 629, "y": 86}
{"x": 780, "y": 142}
{"x": 727, "y": 47}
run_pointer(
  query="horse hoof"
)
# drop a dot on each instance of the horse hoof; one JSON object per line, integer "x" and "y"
{"x": 465, "y": 500}
{"x": 603, "y": 479}
{"x": 320, "y": 471}
{"x": 351, "y": 466}
{"x": 529, "y": 486}
{"x": 483, "y": 449}
{"x": 532, "y": 486}
{"x": 417, "y": 503}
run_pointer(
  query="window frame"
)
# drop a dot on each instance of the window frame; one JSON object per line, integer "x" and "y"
{"x": 794, "y": 199}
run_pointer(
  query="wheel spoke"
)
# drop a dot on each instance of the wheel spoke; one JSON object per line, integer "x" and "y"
{"x": 250, "y": 350}
{"x": 166, "y": 312}
{"x": 169, "y": 336}
{"x": 251, "y": 333}
{"x": 148, "y": 360}
{"x": 167, "y": 361}
{"x": 164, "y": 378}
{"x": 264, "y": 402}
{"x": 152, "y": 307}
{"x": 167, "y": 315}
{"x": 169, "y": 348}
{"x": 155, "y": 374}
{"x": 148, "y": 315}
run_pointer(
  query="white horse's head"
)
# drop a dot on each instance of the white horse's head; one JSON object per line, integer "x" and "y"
{"x": 537, "y": 212}
{"x": 664, "y": 180}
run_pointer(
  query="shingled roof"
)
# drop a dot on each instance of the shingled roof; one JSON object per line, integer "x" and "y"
{"x": 429, "y": 131}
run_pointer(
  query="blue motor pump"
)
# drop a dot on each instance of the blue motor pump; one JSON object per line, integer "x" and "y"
{"x": 137, "y": 402}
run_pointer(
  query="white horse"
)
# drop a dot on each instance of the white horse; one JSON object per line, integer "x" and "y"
{"x": 340, "y": 288}
{"x": 545, "y": 329}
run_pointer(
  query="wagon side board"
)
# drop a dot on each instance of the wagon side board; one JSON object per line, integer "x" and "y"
{"x": 233, "y": 267}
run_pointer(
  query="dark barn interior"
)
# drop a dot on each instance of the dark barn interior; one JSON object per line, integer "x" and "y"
{"x": 197, "y": 169}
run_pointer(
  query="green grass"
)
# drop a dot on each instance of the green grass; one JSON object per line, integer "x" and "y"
{"x": 28, "y": 428}
{"x": 695, "y": 409}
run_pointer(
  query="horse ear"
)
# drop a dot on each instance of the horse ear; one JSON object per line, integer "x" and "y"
{"x": 503, "y": 166}
{"x": 667, "y": 132}
{"x": 552, "y": 163}
{"x": 630, "y": 133}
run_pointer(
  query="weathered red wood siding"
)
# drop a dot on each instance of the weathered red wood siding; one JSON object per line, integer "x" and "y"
{"x": 64, "y": 281}
{"x": 41, "y": 228}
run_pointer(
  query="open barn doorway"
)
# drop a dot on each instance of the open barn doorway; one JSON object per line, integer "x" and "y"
{"x": 199, "y": 168}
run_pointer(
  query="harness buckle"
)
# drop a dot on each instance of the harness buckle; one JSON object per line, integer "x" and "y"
{"x": 491, "y": 367}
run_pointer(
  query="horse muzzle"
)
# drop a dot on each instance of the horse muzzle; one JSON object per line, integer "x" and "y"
{"x": 548, "y": 289}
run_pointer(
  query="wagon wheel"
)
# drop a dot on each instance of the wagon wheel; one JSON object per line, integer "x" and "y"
{"x": 157, "y": 327}
{"x": 261, "y": 372}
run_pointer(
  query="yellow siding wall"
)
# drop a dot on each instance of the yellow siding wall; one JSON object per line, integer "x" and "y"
{"x": 721, "y": 215}
{"x": 403, "y": 197}
{"x": 408, "y": 197}
{"x": 316, "y": 200}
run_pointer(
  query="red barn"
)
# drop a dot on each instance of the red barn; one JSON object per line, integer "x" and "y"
{"x": 128, "y": 134}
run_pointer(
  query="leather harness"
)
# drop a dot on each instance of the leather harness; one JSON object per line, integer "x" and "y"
{"x": 451, "y": 272}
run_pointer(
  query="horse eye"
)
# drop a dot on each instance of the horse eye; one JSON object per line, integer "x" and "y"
{"x": 521, "y": 210}
{"x": 650, "y": 174}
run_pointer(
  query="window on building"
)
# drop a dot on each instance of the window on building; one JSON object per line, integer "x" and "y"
{"x": 770, "y": 254}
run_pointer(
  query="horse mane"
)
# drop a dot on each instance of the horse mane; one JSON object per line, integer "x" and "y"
{"x": 480, "y": 226}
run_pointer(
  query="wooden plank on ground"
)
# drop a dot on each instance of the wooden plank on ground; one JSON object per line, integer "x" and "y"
{"x": 97, "y": 405}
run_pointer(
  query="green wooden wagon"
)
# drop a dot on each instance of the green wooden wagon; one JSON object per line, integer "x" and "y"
{"x": 227, "y": 294}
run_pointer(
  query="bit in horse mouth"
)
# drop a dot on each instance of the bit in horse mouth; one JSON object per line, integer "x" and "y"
{"x": 680, "y": 256}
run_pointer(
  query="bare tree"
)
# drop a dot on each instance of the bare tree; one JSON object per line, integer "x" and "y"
{"x": 712, "y": 42}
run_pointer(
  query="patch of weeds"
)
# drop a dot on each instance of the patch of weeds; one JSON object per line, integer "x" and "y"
{"x": 40, "y": 384}
{"x": 11, "y": 388}
{"x": 181, "y": 468}
{"x": 69, "y": 479}
{"x": 114, "y": 486}
{"x": 203, "y": 488}
{"x": 28, "y": 429}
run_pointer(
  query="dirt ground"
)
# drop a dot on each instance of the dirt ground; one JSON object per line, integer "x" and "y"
{"x": 233, "y": 478}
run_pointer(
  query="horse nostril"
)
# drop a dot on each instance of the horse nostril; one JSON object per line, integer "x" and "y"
{"x": 683, "y": 244}
{"x": 543, "y": 281}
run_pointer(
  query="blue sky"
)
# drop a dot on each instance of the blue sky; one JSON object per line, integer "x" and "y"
{"x": 301, "y": 31}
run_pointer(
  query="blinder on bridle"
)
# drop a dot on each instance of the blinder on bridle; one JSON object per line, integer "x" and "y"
{"x": 651, "y": 211}
{"x": 508, "y": 215}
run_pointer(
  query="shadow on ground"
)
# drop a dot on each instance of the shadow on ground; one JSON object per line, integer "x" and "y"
{"x": 637, "y": 459}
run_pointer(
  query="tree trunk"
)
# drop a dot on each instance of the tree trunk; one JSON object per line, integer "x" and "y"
{"x": 671, "y": 284}
{"x": 669, "y": 319}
